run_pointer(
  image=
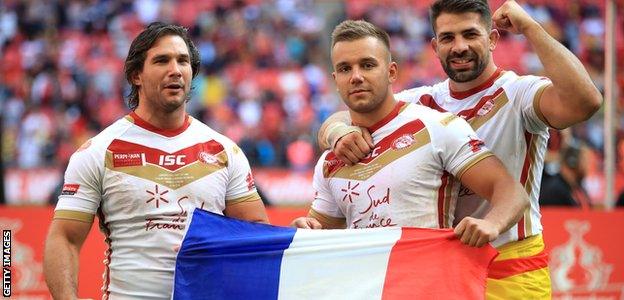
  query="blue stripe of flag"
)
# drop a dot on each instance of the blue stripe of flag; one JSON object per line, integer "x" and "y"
{"x": 242, "y": 261}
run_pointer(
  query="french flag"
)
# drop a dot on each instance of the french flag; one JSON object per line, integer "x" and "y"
{"x": 224, "y": 258}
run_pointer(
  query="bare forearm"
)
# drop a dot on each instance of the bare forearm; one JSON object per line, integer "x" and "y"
{"x": 508, "y": 204}
{"x": 327, "y": 222}
{"x": 570, "y": 79}
{"x": 60, "y": 266}
{"x": 338, "y": 117}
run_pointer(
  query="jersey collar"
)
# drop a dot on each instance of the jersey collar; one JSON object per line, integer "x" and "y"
{"x": 134, "y": 118}
{"x": 395, "y": 112}
{"x": 488, "y": 83}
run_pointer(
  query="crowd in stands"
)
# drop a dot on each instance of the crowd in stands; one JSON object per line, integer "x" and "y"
{"x": 265, "y": 74}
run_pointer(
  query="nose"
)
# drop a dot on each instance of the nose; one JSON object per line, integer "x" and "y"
{"x": 174, "y": 69}
{"x": 460, "y": 45}
{"x": 356, "y": 76}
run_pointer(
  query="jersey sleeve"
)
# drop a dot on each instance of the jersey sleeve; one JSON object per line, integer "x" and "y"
{"x": 527, "y": 91}
{"x": 412, "y": 95}
{"x": 324, "y": 202}
{"x": 457, "y": 145}
{"x": 241, "y": 186}
{"x": 81, "y": 193}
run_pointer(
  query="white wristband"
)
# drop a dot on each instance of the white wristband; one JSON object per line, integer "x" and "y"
{"x": 337, "y": 130}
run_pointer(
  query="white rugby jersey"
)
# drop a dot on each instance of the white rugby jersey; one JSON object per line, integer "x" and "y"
{"x": 406, "y": 180}
{"x": 144, "y": 184}
{"x": 504, "y": 112}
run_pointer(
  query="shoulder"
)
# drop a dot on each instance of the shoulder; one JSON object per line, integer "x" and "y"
{"x": 429, "y": 116}
{"x": 415, "y": 91}
{"x": 511, "y": 81}
{"x": 426, "y": 95}
{"x": 100, "y": 142}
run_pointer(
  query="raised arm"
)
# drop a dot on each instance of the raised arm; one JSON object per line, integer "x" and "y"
{"x": 490, "y": 180}
{"x": 573, "y": 97}
{"x": 350, "y": 143}
{"x": 61, "y": 256}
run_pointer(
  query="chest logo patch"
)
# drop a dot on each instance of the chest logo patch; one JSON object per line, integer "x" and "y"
{"x": 486, "y": 108}
{"x": 403, "y": 141}
{"x": 128, "y": 159}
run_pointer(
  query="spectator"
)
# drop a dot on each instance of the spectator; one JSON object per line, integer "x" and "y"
{"x": 565, "y": 188}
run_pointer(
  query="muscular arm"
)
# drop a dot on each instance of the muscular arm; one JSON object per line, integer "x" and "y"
{"x": 60, "y": 259}
{"x": 350, "y": 143}
{"x": 490, "y": 180}
{"x": 252, "y": 211}
{"x": 573, "y": 97}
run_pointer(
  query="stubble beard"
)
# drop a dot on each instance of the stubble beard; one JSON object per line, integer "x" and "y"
{"x": 466, "y": 75}
{"x": 172, "y": 106}
{"x": 370, "y": 105}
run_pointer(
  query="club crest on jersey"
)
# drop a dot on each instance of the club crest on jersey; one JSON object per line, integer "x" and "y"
{"x": 208, "y": 158}
{"x": 251, "y": 184}
{"x": 332, "y": 163}
{"x": 403, "y": 141}
{"x": 475, "y": 144}
{"x": 486, "y": 108}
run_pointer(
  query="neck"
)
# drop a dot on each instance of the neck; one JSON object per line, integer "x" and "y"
{"x": 464, "y": 86}
{"x": 371, "y": 118}
{"x": 161, "y": 119}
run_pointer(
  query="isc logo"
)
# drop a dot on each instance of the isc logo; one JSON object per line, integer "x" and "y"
{"x": 373, "y": 153}
{"x": 171, "y": 160}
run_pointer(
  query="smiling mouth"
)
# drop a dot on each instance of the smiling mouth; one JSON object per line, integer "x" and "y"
{"x": 460, "y": 62}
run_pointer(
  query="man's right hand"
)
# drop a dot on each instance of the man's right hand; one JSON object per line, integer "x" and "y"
{"x": 306, "y": 223}
{"x": 354, "y": 146}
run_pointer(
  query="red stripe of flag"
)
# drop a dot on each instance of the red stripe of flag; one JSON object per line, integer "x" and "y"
{"x": 428, "y": 278}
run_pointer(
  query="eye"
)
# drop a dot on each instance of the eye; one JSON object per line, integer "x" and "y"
{"x": 445, "y": 38}
{"x": 343, "y": 69}
{"x": 368, "y": 65}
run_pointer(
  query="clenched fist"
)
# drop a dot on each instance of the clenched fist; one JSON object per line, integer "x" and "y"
{"x": 513, "y": 18}
{"x": 476, "y": 232}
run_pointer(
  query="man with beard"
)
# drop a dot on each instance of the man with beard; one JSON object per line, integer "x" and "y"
{"x": 405, "y": 180}
{"x": 144, "y": 175}
{"x": 510, "y": 113}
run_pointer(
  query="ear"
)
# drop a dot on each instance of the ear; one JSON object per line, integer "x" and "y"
{"x": 434, "y": 46}
{"x": 334, "y": 76}
{"x": 136, "y": 79}
{"x": 494, "y": 37}
{"x": 393, "y": 72}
